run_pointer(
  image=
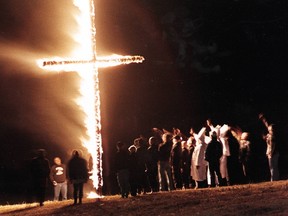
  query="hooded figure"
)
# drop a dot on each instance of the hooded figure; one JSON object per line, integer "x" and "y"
{"x": 198, "y": 162}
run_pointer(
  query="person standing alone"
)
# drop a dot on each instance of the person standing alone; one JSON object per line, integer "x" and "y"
{"x": 59, "y": 180}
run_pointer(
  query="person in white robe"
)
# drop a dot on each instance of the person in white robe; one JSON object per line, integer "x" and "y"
{"x": 198, "y": 162}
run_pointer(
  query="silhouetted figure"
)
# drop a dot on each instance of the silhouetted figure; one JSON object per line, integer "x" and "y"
{"x": 176, "y": 161}
{"x": 40, "y": 169}
{"x": 213, "y": 154}
{"x": 122, "y": 169}
{"x": 142, "y": 156}
{"x": 233, "y": 164}
{"x": 78, "y": 175}
{"x": 220, "y": 131}
{"x": 245, "y": 157}
{"x": 133, "y": 170}
{"x": 58, "y": 177}
{"x": 164, "y": 164}
{"x": 152, "y": 168}
{"x": 185, "y": 165}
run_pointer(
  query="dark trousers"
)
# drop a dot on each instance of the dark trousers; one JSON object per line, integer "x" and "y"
{"x": 177, "y": 177}
{"x": 133, "y": 182}
{"x": 40, "y": 189}
{"x": 78, "y": 192}
{"x": 40, "y": 194}
{"x": 143, "y": 185}
{"x": 186, "y": 176}
{"x": 123, "y": 182}
{"x": 215, "y": 169}
{"x": 153, "y": 179}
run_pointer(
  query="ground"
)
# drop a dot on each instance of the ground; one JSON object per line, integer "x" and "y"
{"x": 268, "y": 198}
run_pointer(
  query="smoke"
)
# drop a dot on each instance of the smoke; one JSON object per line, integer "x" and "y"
{"x": 37, "y": 108}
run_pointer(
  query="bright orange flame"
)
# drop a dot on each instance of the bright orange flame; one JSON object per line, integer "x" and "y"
{"x": 85, "y": 61}
{"x": 65, "y": 64}
{"x": 89, "y": 88}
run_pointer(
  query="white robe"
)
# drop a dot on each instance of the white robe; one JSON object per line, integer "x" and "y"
{"x": 198, "y": 158}
{"x": 223, "y": 159}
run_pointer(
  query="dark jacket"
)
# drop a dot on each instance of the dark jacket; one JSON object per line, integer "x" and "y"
{"x": 121, "y": 160}
{"x": 165, "y": 151}
{"x": 176, "y": 154}
{"x": 78, "y": 170}
{"x": 152, "y": 158}
{"x": 213, "y": 151}
{"x": 40, "y": 169}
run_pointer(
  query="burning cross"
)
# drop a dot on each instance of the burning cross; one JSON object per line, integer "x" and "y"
{"x": 87, "y": 64}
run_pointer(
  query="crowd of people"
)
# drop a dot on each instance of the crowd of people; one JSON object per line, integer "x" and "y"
{"x": 215, "y": 156}
{"x": 76, "y": 173}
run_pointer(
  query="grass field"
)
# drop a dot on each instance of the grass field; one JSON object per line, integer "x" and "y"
{"x": 268, "y": 198}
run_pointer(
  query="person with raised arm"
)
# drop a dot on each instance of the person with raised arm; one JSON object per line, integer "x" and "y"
{"x": 198, "y": 162}
{"x": 272, "y": 151}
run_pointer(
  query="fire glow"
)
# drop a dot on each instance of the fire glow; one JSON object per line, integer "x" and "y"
{"x": 86, "y": 63}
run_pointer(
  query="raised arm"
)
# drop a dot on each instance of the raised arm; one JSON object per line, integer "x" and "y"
{"x": 264, "y": 120}
{"x": 209, "y": 124}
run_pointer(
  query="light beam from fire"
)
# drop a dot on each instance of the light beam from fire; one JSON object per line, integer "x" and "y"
{"x": 86, "y": 62}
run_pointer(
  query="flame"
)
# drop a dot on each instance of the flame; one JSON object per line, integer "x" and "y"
{"x": 115, "y": 60}
{"x": 89, "y": 84}
{"x": 89, "y": 87}
{"x": 94, "y": 195}
{"x": 58, "y": 64}
{"x": 86, "y": 63}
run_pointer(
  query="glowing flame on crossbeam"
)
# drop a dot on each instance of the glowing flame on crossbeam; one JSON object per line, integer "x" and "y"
{"x": 60, "y": 64}
{"x": 85, "y": 62}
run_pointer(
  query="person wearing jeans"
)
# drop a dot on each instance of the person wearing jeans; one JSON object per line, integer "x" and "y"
{"x": 59, "y": 179}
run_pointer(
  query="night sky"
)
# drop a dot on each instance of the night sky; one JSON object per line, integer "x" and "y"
{"x": 224, "y": 60}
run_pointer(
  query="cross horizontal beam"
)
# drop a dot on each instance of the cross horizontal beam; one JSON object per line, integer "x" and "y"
{"x": 105, "y": 61}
